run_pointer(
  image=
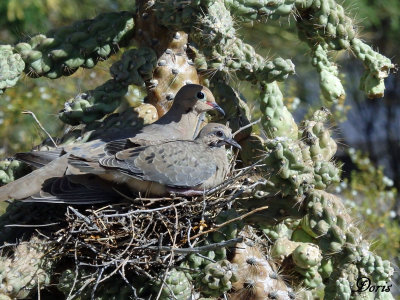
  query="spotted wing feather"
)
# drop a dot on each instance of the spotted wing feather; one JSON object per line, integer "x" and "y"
{"x": 177, "y": 164}
{"x": 182, "y": 164}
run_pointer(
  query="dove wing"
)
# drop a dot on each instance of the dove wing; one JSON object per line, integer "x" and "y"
{"x": 182, "y": 164}
{"x": 75, "y": 189}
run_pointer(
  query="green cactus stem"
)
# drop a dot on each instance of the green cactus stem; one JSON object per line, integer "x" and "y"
{"x": 24, "y": 270}
{"x": 217, "y": 278}
{"x": 306, "y": 256}
{"x": 222, "y": 49}
{"x": 377, "y": 68}
{"x": 277, "y": 121}
{"x": 323, "y": 25}
{"x": 247, "y": 11}
{"x": 331, "y": 87}
{"x": 61, "y": 52}
{"x": 177, "y": 286}
{"x": 135, "y": 67}
{"x": 11, "y": 67}
{"x": 11, "y": 170}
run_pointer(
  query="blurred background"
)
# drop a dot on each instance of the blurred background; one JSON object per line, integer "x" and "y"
{"x": 368, "y": 131}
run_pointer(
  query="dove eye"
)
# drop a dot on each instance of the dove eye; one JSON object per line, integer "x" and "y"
{"x": 201, "y": 96}
{"x": 219, "y": 134}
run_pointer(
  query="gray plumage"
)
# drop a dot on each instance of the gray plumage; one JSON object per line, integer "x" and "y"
{"x": 182, "y": 167}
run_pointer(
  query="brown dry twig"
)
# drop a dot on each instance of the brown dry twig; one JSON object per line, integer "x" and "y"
{"x": 28, "y": 112}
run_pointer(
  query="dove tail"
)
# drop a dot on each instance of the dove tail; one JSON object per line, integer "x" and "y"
{"x": 32, "y": 183}
{"x": 38, "y": 159}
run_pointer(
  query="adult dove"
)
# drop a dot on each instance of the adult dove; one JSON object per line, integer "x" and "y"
{"x": 179, "y": 122}
{"x": 183, "y": 167}
{"x": 186, "y": 168}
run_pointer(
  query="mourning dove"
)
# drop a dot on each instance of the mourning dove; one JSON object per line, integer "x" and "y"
{"x": 186, "y": 168}
{"x": 182, "y": 167}
{"x": 179, "y": 122}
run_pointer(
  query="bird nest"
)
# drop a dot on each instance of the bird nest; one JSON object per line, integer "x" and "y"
{"x": 147, "y": 236}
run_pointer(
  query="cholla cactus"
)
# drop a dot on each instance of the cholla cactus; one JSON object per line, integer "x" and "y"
{"x": 175, "y": 286}
{"x": 25, "y": 270}
{"x": 305, "y": 229}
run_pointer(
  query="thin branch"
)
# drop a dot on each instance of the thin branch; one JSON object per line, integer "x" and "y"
{"x": 31, "y": 225}
{"x": 28, "y": 112}
{"x": 142, "y": 211}
{"x": 84, "y": 218}
{"x": 199, "y": 249}
{"x": 230, "y": 221}
{"x": 246, "y": 126}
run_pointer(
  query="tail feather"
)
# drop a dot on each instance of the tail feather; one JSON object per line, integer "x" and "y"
{"x": 38, "y": 159}
{"x": 32, "y": 183}
{"x": 75, "y": 189}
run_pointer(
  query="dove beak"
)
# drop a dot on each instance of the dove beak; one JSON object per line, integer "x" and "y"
{"x": 216, "y": 107}
{"x": 233, "y": 143}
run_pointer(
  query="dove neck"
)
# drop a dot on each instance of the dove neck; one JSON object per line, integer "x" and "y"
{"x": 184, "y": 122}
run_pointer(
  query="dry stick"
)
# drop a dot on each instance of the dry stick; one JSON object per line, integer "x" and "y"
{"x": 246, "y": 126}
{"x": 28, "y": 112}
{"x": 38, "y": 287}
{"x": 84, "y": 218}
{"x": 87, "y": 282}
{"x": 141, "y": 211}
{"x": 230, "y": 221}
{"x": 139, "y": 199}
{"x": 123, "y": 262}
{"x": 76, "y": 273}
{"x": 250, "y": 187}
{"x": 128, "y": 283}
{"x": 114, "y": 260}
{"x": 198, "y": 249}
{"x": 97, "y": 283}
{"x": 123, "y": 195}
{"x": 98, "y": 218}
{"x": 188, "y": 234}
{"x": 160, "y": 240}
{"x": 31, "y": 225}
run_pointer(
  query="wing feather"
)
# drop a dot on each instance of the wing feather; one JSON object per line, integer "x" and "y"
{"x": 63, "y": 190}
{"x": 180, "y": 164}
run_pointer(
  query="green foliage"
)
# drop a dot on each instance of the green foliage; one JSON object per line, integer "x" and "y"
{"x": 381, "y": 16}
{"x": 26, "y": 17}
{"x": 19, "y": 131}
{"x": 61, "y": 52}
{"x": 372, "y": 197}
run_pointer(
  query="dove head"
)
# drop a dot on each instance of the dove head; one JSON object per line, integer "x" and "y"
{"x": 217, "y": 135}
{"x": 197, "y": 98}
